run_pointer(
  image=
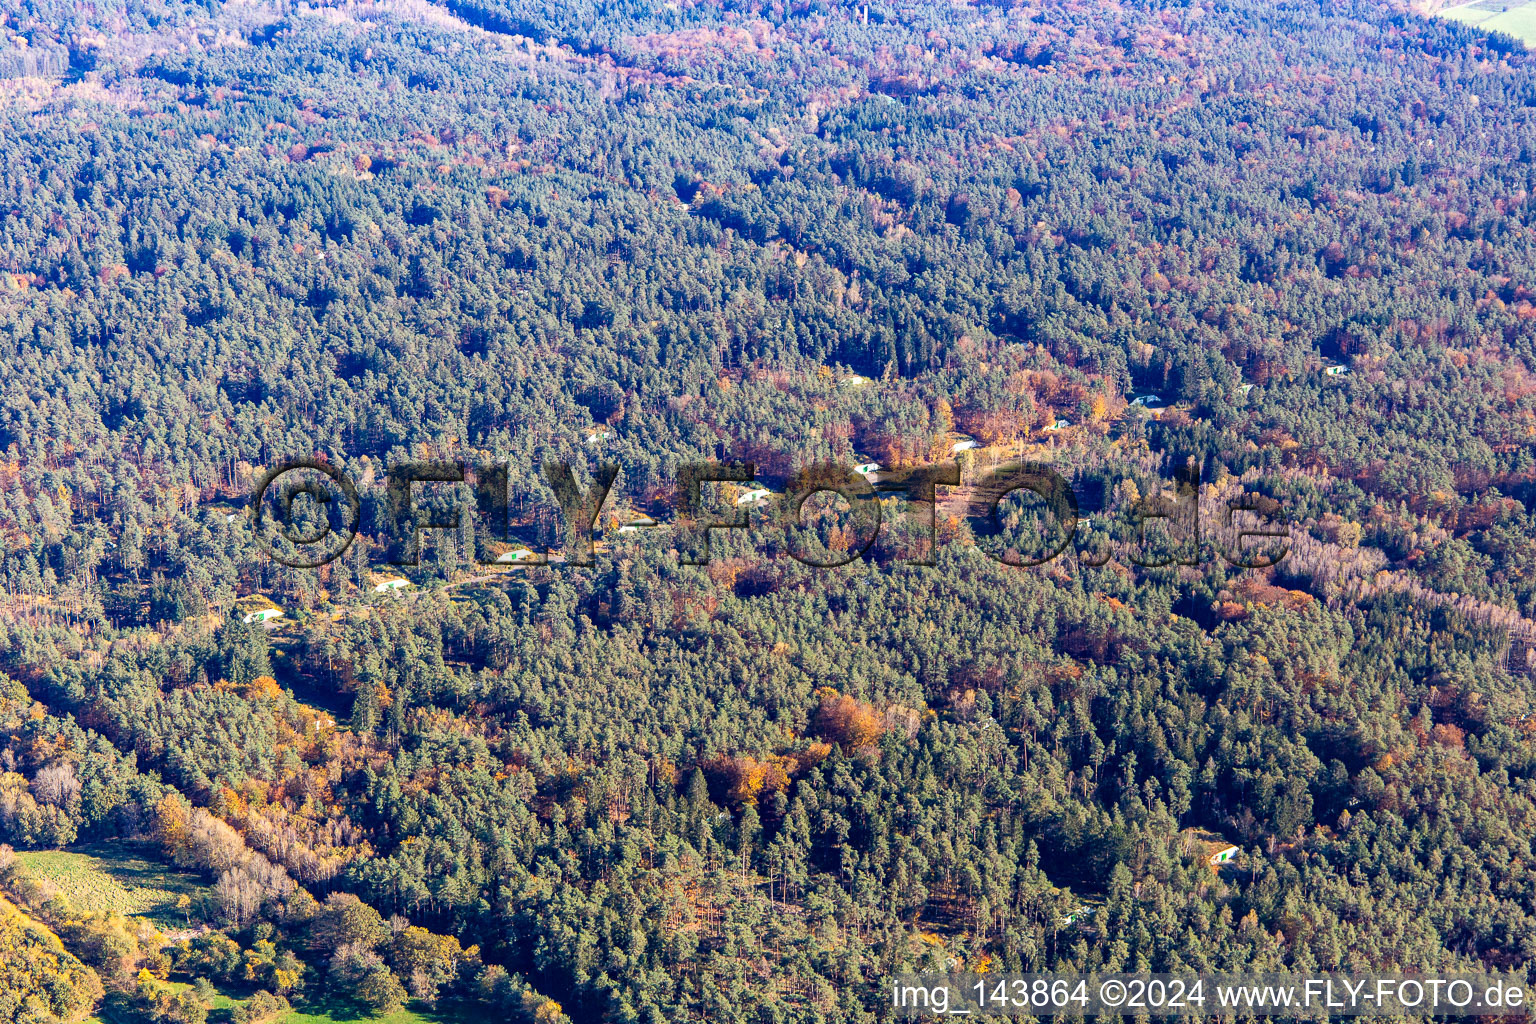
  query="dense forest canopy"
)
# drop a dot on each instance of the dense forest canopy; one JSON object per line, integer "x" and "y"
{"x": 1287, "y": 247}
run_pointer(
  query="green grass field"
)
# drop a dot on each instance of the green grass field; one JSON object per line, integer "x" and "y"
{"x": 116, "y": 877}
{"x": 115, "y": 1008}
{"x": 114, "y": 1011}
{"x": 416, "y": 1013}
{"x": 1512, "y": 17}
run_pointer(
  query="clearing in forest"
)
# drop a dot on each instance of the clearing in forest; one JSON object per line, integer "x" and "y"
{"x": 415, "y": 1013}
{"x": 1512, "y": 17}
{"x": 120, "y": 878}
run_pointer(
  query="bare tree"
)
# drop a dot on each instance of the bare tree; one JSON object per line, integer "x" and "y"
{"x": 57, "y": 784}
{"x": 240, "y": 895}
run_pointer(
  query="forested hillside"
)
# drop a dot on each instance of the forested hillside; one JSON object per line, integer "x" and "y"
{"x": 1289, "y": 245}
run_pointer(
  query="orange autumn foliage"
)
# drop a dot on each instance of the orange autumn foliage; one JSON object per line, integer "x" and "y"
{"x": 846, "y": 721}
{"x": 743, "y": 778}
{"x": 261, "y": 686}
